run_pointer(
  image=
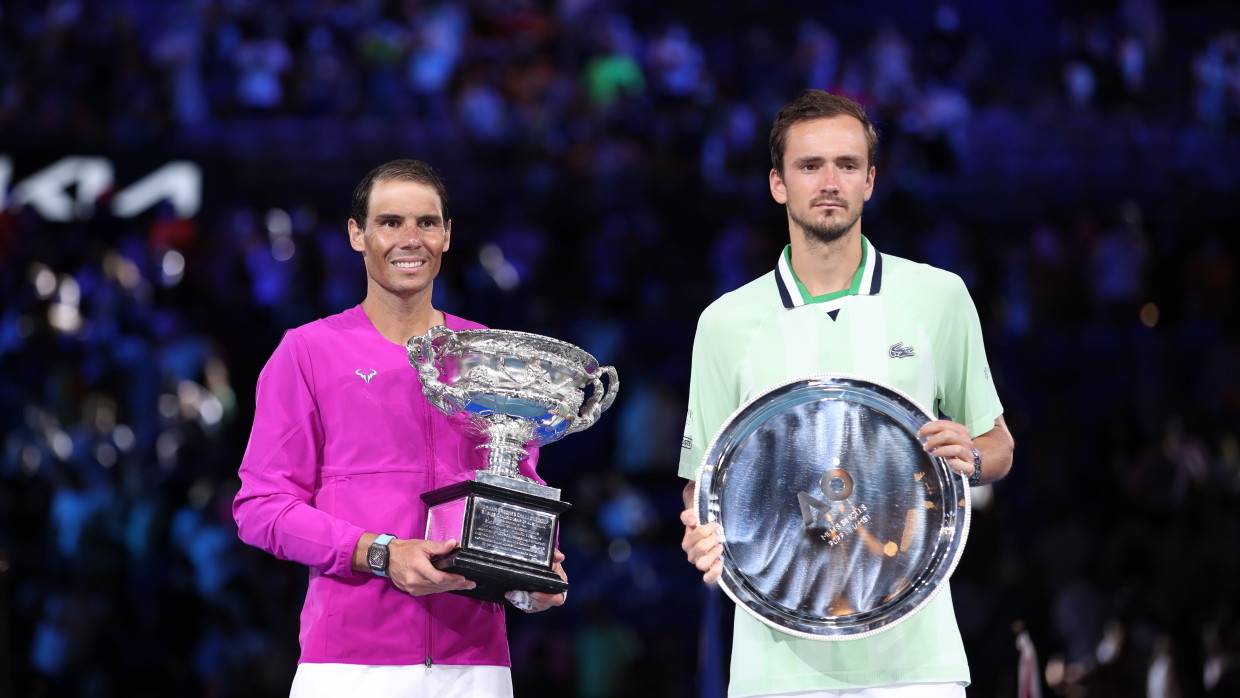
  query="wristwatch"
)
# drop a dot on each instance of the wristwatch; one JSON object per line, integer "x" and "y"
{"x": 377, "y": 554}
{"x": 976, "y": 478}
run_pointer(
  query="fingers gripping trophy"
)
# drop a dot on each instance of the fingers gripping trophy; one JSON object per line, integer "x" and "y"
{"x": 511, "y": 391}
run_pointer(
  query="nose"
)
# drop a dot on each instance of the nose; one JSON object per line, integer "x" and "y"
{"x": 411, "y": 237}
{"x": 830, "y": 182}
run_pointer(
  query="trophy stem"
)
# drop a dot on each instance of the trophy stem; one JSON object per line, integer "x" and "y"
{"x": 504, "y": 458}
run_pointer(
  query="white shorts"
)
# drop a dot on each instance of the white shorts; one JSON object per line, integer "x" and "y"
{"x": 413, "y": 681}
{"x": 911, "y": 690}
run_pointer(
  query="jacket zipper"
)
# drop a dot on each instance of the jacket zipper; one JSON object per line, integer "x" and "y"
{"x": 430, "y": 440}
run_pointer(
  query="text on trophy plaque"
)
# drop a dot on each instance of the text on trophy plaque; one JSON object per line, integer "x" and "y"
{"x": 514, "y": 531}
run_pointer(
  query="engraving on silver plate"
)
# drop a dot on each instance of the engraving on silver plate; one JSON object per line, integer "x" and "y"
{"x": 512, "y": 391}
{"x": 511, "y": 530}
{"x": 839, "y": 524}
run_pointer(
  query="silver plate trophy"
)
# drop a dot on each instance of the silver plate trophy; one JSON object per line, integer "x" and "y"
{"x": 837, "y": 523}
{"x": 510, "y": 391}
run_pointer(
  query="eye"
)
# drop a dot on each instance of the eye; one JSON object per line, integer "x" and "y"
{"x": 813, "y": 167}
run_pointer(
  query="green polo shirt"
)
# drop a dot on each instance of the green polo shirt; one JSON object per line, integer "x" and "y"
{"x": 904, "y": 324}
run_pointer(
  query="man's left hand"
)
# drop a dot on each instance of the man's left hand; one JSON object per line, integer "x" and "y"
{"x": 951, "y": 441}
{"x": 537, "y": 601}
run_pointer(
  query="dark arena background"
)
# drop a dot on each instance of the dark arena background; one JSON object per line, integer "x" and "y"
{"x": 174, "y": 186}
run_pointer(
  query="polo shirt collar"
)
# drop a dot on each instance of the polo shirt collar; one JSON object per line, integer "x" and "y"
{"x": 866, "y": 282}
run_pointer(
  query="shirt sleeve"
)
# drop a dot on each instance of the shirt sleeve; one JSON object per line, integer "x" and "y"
{"x": 712, "y": 395}
{"x": 966, "y": 390}
{"x": 279, "y": 471}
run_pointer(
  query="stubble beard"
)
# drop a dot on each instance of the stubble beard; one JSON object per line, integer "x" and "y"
{"x": 824, "y": 233}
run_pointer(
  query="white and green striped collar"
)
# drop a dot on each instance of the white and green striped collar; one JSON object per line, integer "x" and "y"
{"x": 866, "y": 282}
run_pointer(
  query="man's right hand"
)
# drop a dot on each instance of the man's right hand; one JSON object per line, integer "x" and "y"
{"x": 411, "y": 570}
{"x": 703, "y": 544}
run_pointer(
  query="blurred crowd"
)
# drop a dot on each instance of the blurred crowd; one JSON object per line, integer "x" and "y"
{"x": 606, "y": 166}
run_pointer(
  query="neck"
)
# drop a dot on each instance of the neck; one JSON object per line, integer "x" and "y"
{"x": 398, "y": 319}
{"x": 826, "y": 267}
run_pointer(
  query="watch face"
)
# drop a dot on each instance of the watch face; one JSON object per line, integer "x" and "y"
{"x": 377, "y": 557}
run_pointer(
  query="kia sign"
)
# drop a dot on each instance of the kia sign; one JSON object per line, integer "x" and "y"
{"x": 67, "y": 189}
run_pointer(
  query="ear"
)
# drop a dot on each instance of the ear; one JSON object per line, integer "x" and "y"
{"x": 869, "y": 182}
{"x": 356, "y": 233}
{"x": 779, "y": 192}
{"x": 447, "y": 234}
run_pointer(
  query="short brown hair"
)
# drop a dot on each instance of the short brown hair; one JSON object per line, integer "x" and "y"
{"x": 817, "y": 104}
{"x": 401, "y": 170}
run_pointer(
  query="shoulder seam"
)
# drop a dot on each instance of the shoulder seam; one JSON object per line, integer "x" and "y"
{"x": 305, "y": 351}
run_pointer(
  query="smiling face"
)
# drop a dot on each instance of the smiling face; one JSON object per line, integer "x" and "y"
{"x": 404, "y": 238}
{"x": 826, "y": 178}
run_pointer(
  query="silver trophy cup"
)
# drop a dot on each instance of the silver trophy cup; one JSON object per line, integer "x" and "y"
{"x": 510, "y": 391}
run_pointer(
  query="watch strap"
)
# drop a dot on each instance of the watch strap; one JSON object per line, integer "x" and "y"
{"x": 975, "y": 479}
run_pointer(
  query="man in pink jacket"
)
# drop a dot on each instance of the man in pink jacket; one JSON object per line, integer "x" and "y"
{"x": 344, "y": 444}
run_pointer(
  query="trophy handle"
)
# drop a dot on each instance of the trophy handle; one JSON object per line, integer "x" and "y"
{"x": 422, "y": 355}
{"x": 613, "y": 385}
{"x": 600, "y": 399}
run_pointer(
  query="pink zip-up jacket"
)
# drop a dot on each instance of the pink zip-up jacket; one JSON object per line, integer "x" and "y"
{"x": 343, "y": 443}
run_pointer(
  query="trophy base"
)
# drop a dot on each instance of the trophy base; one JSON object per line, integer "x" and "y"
{"x": 506, "y": 535}
{"x": 496, "y": 576}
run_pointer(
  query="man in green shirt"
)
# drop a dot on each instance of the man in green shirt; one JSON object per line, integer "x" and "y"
{"x": 834, "y": 303}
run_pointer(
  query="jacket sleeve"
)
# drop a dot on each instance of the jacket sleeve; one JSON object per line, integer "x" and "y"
{"x": 529, "y": 466}
{"x": 280, "y": 470}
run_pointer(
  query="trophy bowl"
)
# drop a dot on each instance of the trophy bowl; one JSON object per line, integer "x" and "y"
{"x": 510, "y": 392}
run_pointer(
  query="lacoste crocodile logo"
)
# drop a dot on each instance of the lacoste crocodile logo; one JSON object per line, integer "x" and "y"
{"x": 899, "y": 351}
{"x": 366, "y": 376}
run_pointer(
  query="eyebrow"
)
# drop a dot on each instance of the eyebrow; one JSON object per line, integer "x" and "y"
{"x": 433, "y": 218}
{"x": 818, "y": 160}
